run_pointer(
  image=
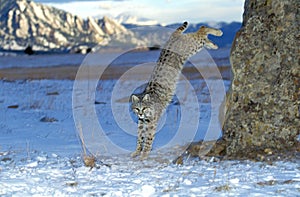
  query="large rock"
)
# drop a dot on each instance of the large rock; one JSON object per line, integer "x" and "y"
{"x": 263, "y": 106}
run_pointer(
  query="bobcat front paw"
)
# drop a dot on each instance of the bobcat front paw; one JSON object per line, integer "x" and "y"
{"x": 144, "y": 155}
{"x": 135, "y": 154}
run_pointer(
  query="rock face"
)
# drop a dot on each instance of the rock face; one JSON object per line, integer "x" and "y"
{"x": 263, "y": 106}
{"x": 24, "y": 23}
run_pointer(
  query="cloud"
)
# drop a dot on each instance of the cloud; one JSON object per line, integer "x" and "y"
{"x": 194, "y": 11}
{"x": 166, "y": 11}
{"x": 105, "y": 6}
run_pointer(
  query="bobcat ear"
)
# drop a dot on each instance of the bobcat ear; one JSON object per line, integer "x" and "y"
{"x": 134, "y": 99}
{"x": 146, "y": 97}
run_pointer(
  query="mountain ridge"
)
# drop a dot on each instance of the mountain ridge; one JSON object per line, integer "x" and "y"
{"x": 26, "y": 23}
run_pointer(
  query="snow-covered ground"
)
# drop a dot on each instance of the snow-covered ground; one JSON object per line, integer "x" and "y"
{"x": 47, "y": 174}
{"x": 41, "y": 154}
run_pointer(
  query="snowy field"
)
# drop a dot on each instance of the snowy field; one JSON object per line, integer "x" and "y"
{"x": 41, "y": 154}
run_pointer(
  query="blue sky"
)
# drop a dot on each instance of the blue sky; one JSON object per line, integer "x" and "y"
{"x": 163, "y": 11}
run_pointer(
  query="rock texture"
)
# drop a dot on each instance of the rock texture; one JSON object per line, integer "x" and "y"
{"x": 24, "y": 22}
{"x": 263, "y": 106}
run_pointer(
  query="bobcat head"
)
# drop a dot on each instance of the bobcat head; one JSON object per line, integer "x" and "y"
{"x": 142, "y": 107}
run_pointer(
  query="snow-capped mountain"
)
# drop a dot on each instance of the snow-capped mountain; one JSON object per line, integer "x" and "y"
{"x": 24, "y": 22}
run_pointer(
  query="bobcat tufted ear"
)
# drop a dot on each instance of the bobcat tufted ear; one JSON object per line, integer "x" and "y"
{"x": 146, "y": 97}
{"x": 134, "y": 99}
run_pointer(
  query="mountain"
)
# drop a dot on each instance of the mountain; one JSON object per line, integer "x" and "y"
{"x": 24, "y": 22}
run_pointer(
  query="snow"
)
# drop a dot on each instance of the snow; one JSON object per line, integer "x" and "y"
{"x": 66, "y": 176}
{"x": 45, "y": 158}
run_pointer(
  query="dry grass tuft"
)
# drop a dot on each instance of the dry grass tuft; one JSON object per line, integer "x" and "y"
{"x": 88, "y": 160}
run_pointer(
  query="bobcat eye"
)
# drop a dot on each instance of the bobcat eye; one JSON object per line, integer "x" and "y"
{"x": 136, "y": 110}
{"x": 147, "y": 111}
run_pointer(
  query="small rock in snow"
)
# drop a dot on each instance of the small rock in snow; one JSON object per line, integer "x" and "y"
{"x": 13, "y": 106}
{"x": 48, "y": 119}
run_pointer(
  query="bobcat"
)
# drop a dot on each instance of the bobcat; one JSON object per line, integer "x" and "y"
{"x": 160, "y": 89}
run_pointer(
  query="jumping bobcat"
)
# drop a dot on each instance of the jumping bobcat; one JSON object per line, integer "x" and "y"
{"x": 150, "y": 105}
